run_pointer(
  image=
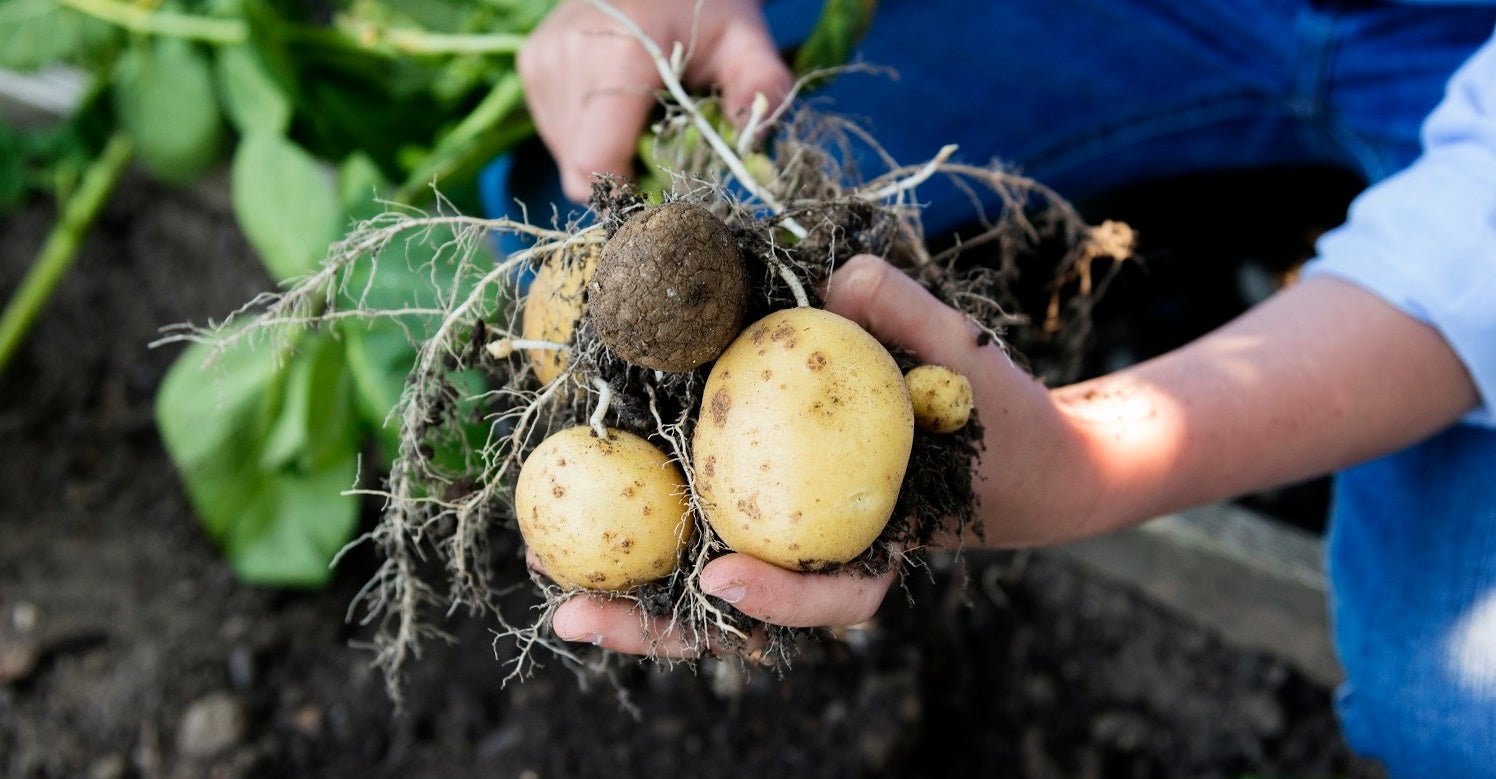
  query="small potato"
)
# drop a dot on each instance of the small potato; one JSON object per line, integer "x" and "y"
{"x": 552, "y": 308}
{"x": 602, "y": 514}
{"x": 942, "y": 398}
{"x": 803, "y": 440}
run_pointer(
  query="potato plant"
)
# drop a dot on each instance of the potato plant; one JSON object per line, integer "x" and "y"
{"x": 668, "y": 386}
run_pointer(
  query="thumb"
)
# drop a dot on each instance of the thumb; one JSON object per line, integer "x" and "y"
{"x": 897, "y": 310}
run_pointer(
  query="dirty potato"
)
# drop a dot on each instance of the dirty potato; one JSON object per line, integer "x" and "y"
{"x": 670, "y": 288}
{"x": 553, "y": 306}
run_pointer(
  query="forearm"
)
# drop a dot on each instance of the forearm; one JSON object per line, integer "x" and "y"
{"x": 1320, "y": 377}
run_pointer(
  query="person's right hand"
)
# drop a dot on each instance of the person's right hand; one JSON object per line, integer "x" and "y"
{"x": 591, "y": 86}
{"x": 1033, "y": 478}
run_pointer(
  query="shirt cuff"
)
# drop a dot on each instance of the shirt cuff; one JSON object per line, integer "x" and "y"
{"x": 1424, "y": 240}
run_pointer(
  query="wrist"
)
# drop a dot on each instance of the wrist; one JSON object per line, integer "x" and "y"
{"x": 1125, "y": 438}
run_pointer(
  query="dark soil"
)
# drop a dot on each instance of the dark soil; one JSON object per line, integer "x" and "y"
{"x": 128, "y": 649}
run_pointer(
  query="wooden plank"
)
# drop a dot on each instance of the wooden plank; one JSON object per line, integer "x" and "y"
{"x": 1255, "y": 583}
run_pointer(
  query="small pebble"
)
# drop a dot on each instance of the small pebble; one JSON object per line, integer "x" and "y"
{"x": 113, "y": 766}
{"x": 212, "y": 724}
{"x": 241, "y": 667}
{"x": 18, "y": 658}
{"x": 308, "y": 720}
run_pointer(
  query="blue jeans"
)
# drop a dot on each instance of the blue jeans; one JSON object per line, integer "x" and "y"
{"x": 1088, "y": 95}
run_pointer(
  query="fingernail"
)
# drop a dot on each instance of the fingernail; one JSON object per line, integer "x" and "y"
{"x": 594, "y": 639}
{"x": 732, "y": 593}
{"x": 565, "y": 631}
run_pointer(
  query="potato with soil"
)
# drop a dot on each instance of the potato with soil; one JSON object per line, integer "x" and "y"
{"x": 602, "y": 513}
{"x": 670, "y": 288}
{"x": 553, "y": 306}
{"x": 804, "y": 437}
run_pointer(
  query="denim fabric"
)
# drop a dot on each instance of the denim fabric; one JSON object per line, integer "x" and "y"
{"x": 1087, "y": 95}
{"x": 1413, "y": 569}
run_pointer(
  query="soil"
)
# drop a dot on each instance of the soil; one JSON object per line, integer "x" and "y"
{"x": 128, "y": 649}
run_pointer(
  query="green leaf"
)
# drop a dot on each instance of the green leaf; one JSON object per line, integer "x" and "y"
{"x": 408, "y": 274}
{"x": 836, "y": 34}
{"x": 36, "y": 33}
{"x": 310, "y": 419}
{"x": 285, "y": 203}
{"x": 163, "y": 93}
{"x": 360, "y": 184}
{"x": 201, "y": 408}
{"x": 279, "y": 519}
{"x": 294, "y": 526}
{"x": 253, "y": 98}
{"x": 380, "y": 356}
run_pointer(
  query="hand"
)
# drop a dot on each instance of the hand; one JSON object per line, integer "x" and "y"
{"x": 897, "y": 310}
{"x": 590, "y": 86}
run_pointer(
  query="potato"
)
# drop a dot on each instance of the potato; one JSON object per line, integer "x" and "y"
{"x": 804, "y": 436}
{"x": 942, "y": 398}
{"x": 602, "y": 514}
{"x": 553, "y": 307}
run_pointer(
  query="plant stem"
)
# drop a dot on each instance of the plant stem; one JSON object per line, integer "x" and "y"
{"x": 157, "y": 22}
{"x": 225, "y": 30}
{"x": 412, "y": 41}
{"x": 472, "y": 139}
{"x": 62, "y": 245}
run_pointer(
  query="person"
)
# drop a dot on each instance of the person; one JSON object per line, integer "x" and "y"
{"x": 1379, "y": 364}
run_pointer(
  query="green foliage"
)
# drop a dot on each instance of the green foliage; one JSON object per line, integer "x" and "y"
{"x": 836, "y": 34}
{"x": 13, "y": 183}
{"x": 163, "y": 92}
{"x": 36, "y": 33}
{"x": 318, "y": 118}
{"x": 253, "y": 97}
{"x": 285, "y": 203}
{"x": 266, "y": 451}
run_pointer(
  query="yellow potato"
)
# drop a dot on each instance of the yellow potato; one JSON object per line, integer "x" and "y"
{"x": 553, "y": 307}
{"x": 803, "y": 440}
{"x": 942, "y": 398}
{"x": 602, "y": 514}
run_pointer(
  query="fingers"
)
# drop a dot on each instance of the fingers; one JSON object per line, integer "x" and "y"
{"x": 758, "y": 589}
{"x": 774, "y": 595}
{"x": 617, "y": 624}
{"x": 896, "y": 309}
{"x": 744, "y": 63}
{"x": 590, "y": 87}
{"x": 590, "y": 90}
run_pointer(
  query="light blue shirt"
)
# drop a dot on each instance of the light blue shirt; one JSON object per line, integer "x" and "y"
{"x": 1424, "y": 239}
